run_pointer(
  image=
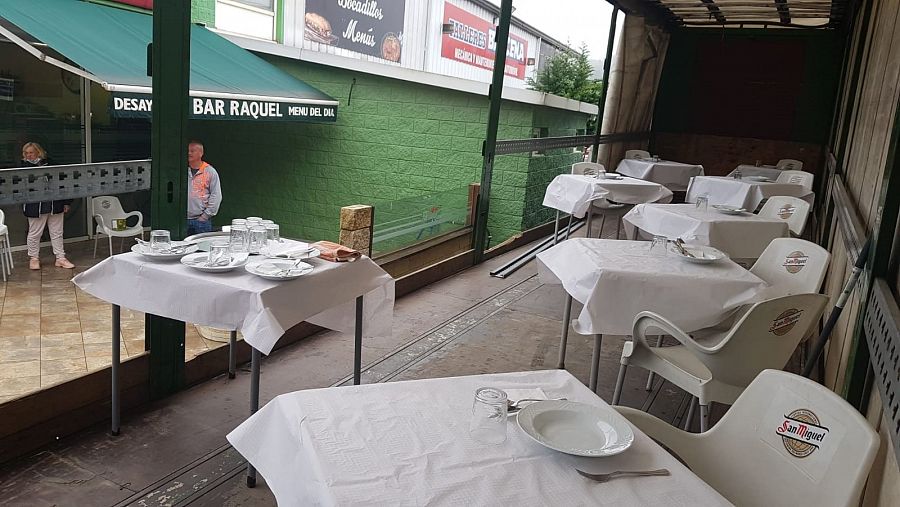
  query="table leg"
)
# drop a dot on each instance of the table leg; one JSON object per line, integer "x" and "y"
{"x": 590, "y": 220}
{"x": 232, "y": 354}
{"x": 116, "y": 360}
{"x": 556, "y": 228}
{"x": 595, "y": 362}
{"x": 569, "y": 227}
{"x": 357, "y": 342}
{"x": 564, "y": 337}
{"x": 254, "y": 405}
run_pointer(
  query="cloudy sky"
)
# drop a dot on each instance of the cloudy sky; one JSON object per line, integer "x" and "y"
{"x": 570, "y": 21}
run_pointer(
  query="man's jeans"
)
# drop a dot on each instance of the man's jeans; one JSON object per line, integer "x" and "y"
{"x": 198, "y": 226}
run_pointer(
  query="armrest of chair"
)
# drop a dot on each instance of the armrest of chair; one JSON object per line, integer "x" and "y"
{"x": 649, "y": 320}
{"x": 680, "y": 443}
{"x": 139, "y": 215}
{"x": 100, "y": 223}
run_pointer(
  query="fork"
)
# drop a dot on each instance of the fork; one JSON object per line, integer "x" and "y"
{"x": 612, "y": 475}
{"x": 513, "y": 406}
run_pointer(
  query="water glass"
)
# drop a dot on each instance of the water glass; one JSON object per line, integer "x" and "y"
{"x": 257, "y": 239}
{"x": 240, "y": 239}
{"x": 702, "y": 202}
{"x": 659, "y": 246}
{"x": 273, "y": 232}
{"x": 160, "y": 241}
{"x": 488, "y": 424}
{"x": 219, "y": 253}
{"x": 238, "y": 221}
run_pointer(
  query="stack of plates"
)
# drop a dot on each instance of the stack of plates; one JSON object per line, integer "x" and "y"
{"x": 729, "y": 210}
{"x": 179, "y": 250}
{"x": 278, "y": 270}
{"x": 700, "y": 254}
{"x": 198, "y": 262}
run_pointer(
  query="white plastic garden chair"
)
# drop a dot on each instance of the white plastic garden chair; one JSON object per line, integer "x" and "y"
{"x": 797, "y": 178}
{"x": 792, "y": 210}
{"x": 792, "y": 266}
{"x": 602, "y": 207}
{"x": 638, "y": 154}
{"x": 105, "y": 209}
{"x": 746, "y": 461}
{"x": 719, "y": 367}
{"x": 6, "y": 262}
{"x": 789, "y": 164}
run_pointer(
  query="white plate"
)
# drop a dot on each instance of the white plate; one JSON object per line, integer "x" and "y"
{"x": 701, "y": 254}
{"x": 576, "y": 428}
{"x": 611, "y": 176}
{"x": 300, "y": 253}
{"x": 198, "y": 262}
{"x": 141, "y": 249}
{"x": 729, "y": 210}
{"x": 268, "y": 269}
{"x": 759, "y": 178}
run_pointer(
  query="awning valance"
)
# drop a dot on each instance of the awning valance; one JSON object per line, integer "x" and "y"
{"x": 109, "y": 46}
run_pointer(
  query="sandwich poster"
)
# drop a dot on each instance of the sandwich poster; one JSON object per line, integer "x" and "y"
{"x": 370, "y": 27}
{"x": 471, "y": 41}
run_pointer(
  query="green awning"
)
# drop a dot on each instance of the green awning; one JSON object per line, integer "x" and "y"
{"x": 109, "y": 46}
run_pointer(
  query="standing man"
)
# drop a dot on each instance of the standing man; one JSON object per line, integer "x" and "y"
{"x": 204, "y": 192}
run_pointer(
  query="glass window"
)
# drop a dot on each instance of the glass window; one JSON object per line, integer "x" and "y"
{"x": 268, "y": 5}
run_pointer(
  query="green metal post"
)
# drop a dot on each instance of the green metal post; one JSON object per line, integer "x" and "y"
{"x": 490, "y": 144}
{"x": 607, "y": 65}
{"x": 171, "y": 73}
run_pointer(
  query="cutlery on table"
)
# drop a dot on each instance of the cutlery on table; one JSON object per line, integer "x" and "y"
{"x": 514, "y": 406}
{"x": 679, "y": 243}
{"x": 612, "y": 475}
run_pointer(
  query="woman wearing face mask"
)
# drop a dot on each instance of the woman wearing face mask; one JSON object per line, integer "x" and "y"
{"x": 47, "y": 213}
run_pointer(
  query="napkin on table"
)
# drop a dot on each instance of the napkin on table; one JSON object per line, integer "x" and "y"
{"x": 334, "y": 252}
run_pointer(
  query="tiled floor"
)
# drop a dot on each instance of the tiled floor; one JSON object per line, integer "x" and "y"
{"x": 51, "y": 331}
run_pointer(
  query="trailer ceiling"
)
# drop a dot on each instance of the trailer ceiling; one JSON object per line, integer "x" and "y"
{"x": 773, "y": 13}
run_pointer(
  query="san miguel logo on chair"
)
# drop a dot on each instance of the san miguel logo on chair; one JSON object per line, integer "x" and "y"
{"x": 801, "y": 433}
{"x": 795, "y": 261}
{"x": 786, "y": 211}
{"x": 785, "y": 322}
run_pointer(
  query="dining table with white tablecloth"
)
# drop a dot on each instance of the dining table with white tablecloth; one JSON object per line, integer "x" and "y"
{"x": 574, "y": 193}
{"x": 743, "y": 193}
{"x": 408, "y": 443}
{"x": 741, "y": 235}
{"x": 673, "y": 175}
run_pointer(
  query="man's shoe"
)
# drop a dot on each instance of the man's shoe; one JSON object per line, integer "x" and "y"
{"x": 34, "y": 264}
{"x": 64, "y": 263}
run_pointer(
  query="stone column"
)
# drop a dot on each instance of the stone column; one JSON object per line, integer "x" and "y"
{"x": 356, "y": 227}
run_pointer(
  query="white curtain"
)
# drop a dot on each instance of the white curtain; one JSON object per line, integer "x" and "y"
{"x": 633, "y": 81}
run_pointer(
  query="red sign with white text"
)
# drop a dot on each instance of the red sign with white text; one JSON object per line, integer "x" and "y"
{"x": 471, "y": 41}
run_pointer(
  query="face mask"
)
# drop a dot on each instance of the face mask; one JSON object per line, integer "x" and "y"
{"x": 32, "y": 160}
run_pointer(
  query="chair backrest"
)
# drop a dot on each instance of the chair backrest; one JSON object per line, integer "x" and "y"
{"x": 792, "y": 210}
{"x": 765, "y": 337}
{"x": 108, "y": 207}
{"x": 639, "y": 154}
{"x": 2, "y": 217}
{"x": 797, "y": 177}
{"x": 580, "y": 167}
{"x": 786, "y": 441}
{"x": 789, "y": 164}
{"x": 792, "y": 266}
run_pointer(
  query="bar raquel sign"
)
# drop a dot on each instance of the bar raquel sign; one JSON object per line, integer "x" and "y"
{"x": 140, "y": 106}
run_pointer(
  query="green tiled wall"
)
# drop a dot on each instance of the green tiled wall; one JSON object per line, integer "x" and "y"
{"x": 393, "y": 140}
{"x": 203, "y": 11}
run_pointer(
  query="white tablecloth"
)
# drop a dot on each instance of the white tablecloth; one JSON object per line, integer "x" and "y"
{"x": 616, "y": 279}
{"x": 262, "y": 310}
{"x": 742, "y": 236}
{"x": 673, "y": 175}
{"x": 407, "y": 443}
{"x": 743, "y": 193}
{"x": 573, "y": 193}
{"x": 767, "y": 171}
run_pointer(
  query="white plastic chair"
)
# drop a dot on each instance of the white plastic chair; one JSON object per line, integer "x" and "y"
{"x": 792, "y": 266}
{"x": 638, "y": 154}
{"x": 746, "y": 461}
{"x": 6, "y": 261}
{"x": 797, "y": 177}
{"x": 719, "y": 367}
{"x": 104, "y": 209}
{"x": 601, "y": 206}
{"x": 789, "y": 164}
{"x": 792, "y": 210}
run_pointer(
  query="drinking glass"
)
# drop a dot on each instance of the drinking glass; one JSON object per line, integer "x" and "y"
{"x": 488, "y": 424}
{"x": 702, "y": 202}
{"x": 160, "y": 241}
{"x": 659, "y": 246}
{"x": 252, "y": 222}
{"x": 240, "y": 239}
{"x": 238, "y": 221}
{"x": 219, "y": 253}
{"x": 273, "y": 232}
{"x": 257, "y": 239}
